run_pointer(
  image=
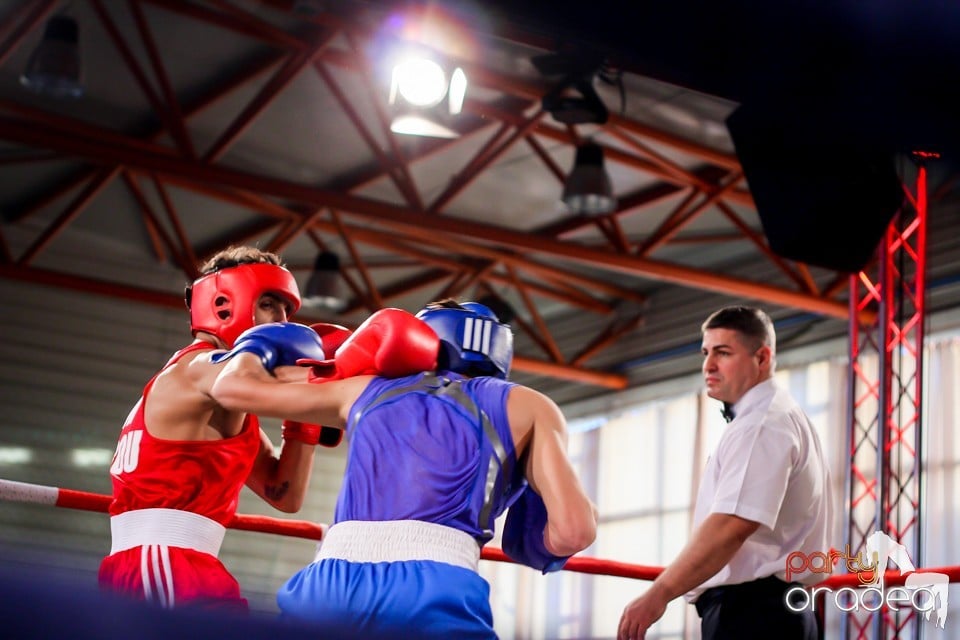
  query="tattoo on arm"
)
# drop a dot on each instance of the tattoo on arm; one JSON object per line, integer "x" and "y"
{"x": 276, "y": 492}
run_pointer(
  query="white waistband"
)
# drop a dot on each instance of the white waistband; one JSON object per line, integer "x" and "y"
{"x": 394, "y": 541}
{"x": 170, "y": 527}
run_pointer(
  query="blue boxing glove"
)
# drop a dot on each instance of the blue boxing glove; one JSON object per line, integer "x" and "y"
{"x": 278, "y": 344}
{"x": 523, "y": 533}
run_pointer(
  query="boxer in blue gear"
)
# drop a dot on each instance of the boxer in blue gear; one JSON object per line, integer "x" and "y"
{"x": 433, "y": 460}
{"x": 426, "y": 432}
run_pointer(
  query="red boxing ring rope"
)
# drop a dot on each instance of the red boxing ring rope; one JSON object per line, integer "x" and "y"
{"x": 71, "y": 499}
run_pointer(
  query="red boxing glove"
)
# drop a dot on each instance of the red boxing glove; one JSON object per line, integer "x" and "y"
{"x": 391, "y": 343}
{"x": 331, "y": 336}
{"x": 312, "y": 434}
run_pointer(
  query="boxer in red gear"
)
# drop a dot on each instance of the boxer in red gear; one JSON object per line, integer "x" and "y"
{"x": 182, "y": 458}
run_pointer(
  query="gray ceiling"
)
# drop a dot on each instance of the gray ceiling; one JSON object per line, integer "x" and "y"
{"x": 207, "y": 123}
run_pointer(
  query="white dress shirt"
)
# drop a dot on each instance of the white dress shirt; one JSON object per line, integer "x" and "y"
{"x": 768, "y": 467}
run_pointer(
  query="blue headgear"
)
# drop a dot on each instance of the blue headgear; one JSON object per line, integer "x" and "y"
{"x": 472, "y": 339}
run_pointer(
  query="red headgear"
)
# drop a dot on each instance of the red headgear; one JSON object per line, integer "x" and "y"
{"x": 223, "y": 302}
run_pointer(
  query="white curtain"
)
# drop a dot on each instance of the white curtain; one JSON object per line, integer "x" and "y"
{"x": 941, "y": 500}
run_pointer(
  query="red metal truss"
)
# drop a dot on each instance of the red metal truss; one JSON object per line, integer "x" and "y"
{"x": 885, "y": 403}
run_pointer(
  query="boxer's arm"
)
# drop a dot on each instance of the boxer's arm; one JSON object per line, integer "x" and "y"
{"x": 282, "y": 480}
{"x": 571, "y": 524}
{"x": 243, "y": 385}
{"x": 523, "y": 534}
{"x": 292, "y": 374}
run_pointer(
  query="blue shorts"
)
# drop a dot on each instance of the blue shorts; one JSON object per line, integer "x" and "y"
{"x": 402, "y": 599}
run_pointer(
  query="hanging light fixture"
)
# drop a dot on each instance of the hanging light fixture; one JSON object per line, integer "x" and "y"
{"x": 54, "y": 66}
{"x": 424, "y": 100}
{"x": 573, "y": 99}
{"x": 415, "y": 53}
{"x": 588, "y": 189}
{"x": 323, "y": 287}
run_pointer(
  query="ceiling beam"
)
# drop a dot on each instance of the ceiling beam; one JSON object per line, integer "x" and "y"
{"x": 411, "y": 222}
{"x": 444, "y": 243}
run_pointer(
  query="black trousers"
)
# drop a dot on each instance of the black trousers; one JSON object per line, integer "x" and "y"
{"x": 753, "y": 610}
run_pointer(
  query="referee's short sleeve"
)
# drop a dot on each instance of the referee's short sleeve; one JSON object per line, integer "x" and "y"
{"x": 754, "y": 466}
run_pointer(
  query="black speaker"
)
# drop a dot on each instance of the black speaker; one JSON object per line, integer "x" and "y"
{"x": 824, "y": 193}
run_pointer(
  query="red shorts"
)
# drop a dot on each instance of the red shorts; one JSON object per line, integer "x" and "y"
{"x": 172, "y": 577}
